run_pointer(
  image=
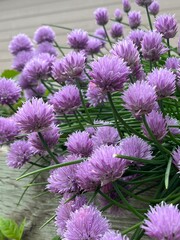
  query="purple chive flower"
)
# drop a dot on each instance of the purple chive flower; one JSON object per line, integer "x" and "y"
{"x": 34, "y": 116}
{"x": 92, "y": 130}
{"x": 163, "y": 222}
{"x": 157, "y": 124}
{"x": 44, "y": 34}
{"x": 105, "y": 135}
{"x": 172, "y": 122}
{"x": 152, "y": 46}
{"x": 134, "y": 19}
{"x": 166, "y": 24}
{"x": 127, "y": 51}
{"x": 37, "y": 91}
{"x": 66, "y": 100}
{"x": 95, "y": 95}
{"x": 46, "y": 47}
{"x": 85, "y": 179}
{"x": 93, "y": 45}
{"x": 126, "y": 5}
{"x": 100, "y": 33}
{"x": 106, "y": 167}
{"x": 38, "y": 68}
{"x": 135, "y": 147}
{"x": 78, "y": 39}
{"x": 139, "y": 98}
{"x": 116, "y": 30}
{"x": 176, "y": 158}
{"x": 10, "y": 92}
{"x": 26, "y": 83}
{"x": 64, "y": 211}
{"x": 143, "y": 2}
{"x": 137, "y": 36}
{"x": 111, "y": 235}
{"x": 79, "y": 143}
{"x": 21, "y": 59}
{"x": 163, "y": 80}
{"x": 154, "y": 8}
{"x": 63, "y": 180}
{"x": 86, "y": 223}
{"x": 8, "y": 130}
{"x": 101, "y": 16}
{"x": 19, "y": 153}
{"x": 20, "y": 42}
{"x": 172, "y": 63}
{"x": 71, "y": 66}
{"x": 109, "y": 73}
{"x": 118, "y": 15}
{"x": 50, "y": 136}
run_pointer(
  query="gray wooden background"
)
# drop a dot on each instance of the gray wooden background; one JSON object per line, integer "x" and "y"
{"x": 24, "y": 16}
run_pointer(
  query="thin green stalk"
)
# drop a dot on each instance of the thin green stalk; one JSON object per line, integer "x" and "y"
{"x": 47, "y": 147}
{"x": 93, "y": 196}
{"x": 48, "y": 221}
{"x": 36, "y": 164}
{"x": 169, "y": 48}
{"x": 149, "y": 18}
{"x": 67, "y": 121}
{"x": 83, "y": 102}
{"x": 56, "y": 44}
{"x": 80, "y": 124}
{"x": 46, "y": 86}
{"x": 132, "y": 228}
{"x": 50, "y": 168}
{"x": 167, "y": 173}
{"x": 107, "y": 36}
{"x": 161, "y": 148}
{"x": 11, "y": 107}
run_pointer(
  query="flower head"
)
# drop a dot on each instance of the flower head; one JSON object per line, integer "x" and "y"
{"x": 126, "y": 5}
{"x": 137, "y": 36}
{"x": 111, "y": 235}
{"x": 19, "y": 153}
{"x": 85, "y": 179}
{"x": 163, "y": 80}
{"x": 109, "y": 73}
{"x": 8, "y": 130}
{"x": 166, "y": 24}
{"x": 100, "y": 33}
{"x": 176, "y": 158}
{"x": 157, "y": 124}
{"x": 44, "y": 34}
{"x": 152, "y": 46}
{"x": 116, "y": 30}
{"x": 34, "y": 116}
{"x": 66, "y": 100}
{"x": 20, "y": 42}
{"x": 135, "y": 147}
{"x": 78, "y": 39}
{"x": 154, "y": 8}
{"x": 37, "y": 91}
{"x": 106, "y": 167}
{"x": 95, "y": 95}
{"x": 163, "y": 222}
{"x": 101, "y": 16}
{"x": 172, "y": 122}
{"x": 173, "y": 63}
{"x": 134, "y": 19}
{"x": 93, "y": 45}
{"x": 50, "y": 136}
{"x": 21, "y": 59}
{"x": 46, "y": 47}
{"x": 80, "y": 143}
{"x": 64, "y": 211}
{"x": 139, "y": 98}
{"x": 10, "y": 92}
{"x": 118, "y": 15}
{"x": 143, "y": 2}
{"x": 105, "y": 135}
{"x": 63, "y": 180}
{"x": 86, "y": 223}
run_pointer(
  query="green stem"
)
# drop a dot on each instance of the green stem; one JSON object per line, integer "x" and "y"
{"x": 80, "y": 124}
{"x": 167, "y": 173}
{"x": 150, "y": 65}
{"x": 132, "y": 228}
{"x": 67, "y": 121}
{"x": 46, "y": 86}
{"x": 114, "y": 114}
{"x": 47, "y": 147}
{"x": 169, "y": 48}
{"x": 107, "y": 36}
{"x": 149, "y": 18}
{"x": 11, "y": 107}
{"x": 59, "y": 48}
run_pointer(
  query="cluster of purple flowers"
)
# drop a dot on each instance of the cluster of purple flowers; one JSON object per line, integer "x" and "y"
{"x": 132, "y": 89}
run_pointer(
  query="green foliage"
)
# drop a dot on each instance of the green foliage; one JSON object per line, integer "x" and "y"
{"x": 10, "y": 229}
{"x": 56, "y": 238}
{"x": 9, "y": 73}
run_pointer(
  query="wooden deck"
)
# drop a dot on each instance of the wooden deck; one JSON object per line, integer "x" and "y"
{"x": 24, "y": 16}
